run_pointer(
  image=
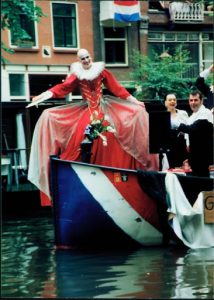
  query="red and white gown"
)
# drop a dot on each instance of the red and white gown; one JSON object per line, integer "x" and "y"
{"x": 60, "y": 130}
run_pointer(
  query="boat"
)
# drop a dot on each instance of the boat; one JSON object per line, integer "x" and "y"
{"x": 97, "y": 206}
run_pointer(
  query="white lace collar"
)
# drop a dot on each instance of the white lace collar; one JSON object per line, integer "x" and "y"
{"x": 90, "y": 74}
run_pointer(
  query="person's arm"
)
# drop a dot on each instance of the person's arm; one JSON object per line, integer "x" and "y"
{"x": 40, "y": 98}
{"x": 58, "y": 91}
{"x": 200, "y": 81}
{"x": 114, "y": 86}
{"x": 117, "y": 89}
{"x": 62, "y": 89}
{"x": 201, "y": 124}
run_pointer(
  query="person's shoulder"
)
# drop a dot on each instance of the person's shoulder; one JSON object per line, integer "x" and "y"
{"x": 205, "y": 109}
{"x": 75, "y": 67}
{"x": 99, "y": 66}
{"x": 205, "y": 113}
{"x": 182, "y": 112}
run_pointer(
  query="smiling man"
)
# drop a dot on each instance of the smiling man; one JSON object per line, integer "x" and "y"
{"x": 84, "y": 58}
{"x": 200, "y": 129}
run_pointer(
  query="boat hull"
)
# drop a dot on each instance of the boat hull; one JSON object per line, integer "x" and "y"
{"x": 102, "y": 207}
{"x": 98, "y": 206}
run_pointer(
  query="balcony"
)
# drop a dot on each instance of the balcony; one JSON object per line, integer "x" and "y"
{"x": 182, "y": 12}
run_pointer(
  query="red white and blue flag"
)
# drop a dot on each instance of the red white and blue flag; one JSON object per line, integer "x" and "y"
{"x": 121, "y": 11}
{"x": 127, "y": 11}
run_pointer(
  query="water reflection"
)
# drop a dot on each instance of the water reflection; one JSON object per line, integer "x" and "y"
{"x": 27, "y": 254}
{"x": 32, "y": 268}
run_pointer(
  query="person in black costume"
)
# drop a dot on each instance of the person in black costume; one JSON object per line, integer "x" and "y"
{"x": 204, "y": 88}
{"x": 200, "y": 129}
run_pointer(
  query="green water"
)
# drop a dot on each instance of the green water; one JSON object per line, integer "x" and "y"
{"x": 32, "y": 268}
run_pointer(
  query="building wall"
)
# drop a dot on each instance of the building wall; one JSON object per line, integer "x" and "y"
{"x": 45, "y": 38}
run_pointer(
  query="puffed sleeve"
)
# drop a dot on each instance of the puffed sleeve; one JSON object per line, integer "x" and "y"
{"x": 113, "y": 85}
{"x": 62, "y": 89}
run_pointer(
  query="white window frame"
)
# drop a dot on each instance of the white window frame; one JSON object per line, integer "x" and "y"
{"x": 200, "y": 42}
{"x": 203, "y": 61}
{"x": 125, "y": 64}
{"x": 36, "y": 38}
{"x": 26, "y": 86}
{"x": 77, "y": 25}
{"x": 31, "y": 70}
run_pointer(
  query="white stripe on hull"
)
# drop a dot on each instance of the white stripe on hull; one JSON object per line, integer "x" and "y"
{"x": 116, "y": 206}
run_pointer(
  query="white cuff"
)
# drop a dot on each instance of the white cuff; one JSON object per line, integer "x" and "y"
{"x": 46, "y": 95}
{"x": 205, "y": 73}
{"x": 42, "y": 97}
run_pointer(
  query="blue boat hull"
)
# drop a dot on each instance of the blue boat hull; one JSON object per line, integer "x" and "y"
{"x": 101, "y": 207}
{"x": 95, "y": 207}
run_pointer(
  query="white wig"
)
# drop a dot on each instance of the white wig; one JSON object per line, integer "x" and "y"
{"x": 82, "y": 53}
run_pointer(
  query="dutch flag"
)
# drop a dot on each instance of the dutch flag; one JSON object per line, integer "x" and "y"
{"x": 127, "y": 11}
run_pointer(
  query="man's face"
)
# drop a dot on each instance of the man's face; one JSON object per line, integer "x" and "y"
{"x": 195, "y": 102}
{"x": 86, "y": 61}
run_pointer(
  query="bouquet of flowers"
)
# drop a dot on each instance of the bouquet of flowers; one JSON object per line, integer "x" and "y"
{"x": 99, "y": 124}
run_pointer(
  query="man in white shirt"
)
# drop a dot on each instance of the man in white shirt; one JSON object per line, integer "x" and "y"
{"x": 204, "y": 88}
{"x": 200, "y": 129}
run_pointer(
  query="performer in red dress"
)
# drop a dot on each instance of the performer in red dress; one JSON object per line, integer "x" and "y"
{"x": 60, "y": 130}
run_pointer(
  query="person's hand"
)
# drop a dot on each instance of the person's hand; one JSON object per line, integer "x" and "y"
{"x": 40, "y": 98}
{"x": 43, "y": 96}
{"x": 37, "y": 98}
{"x": 134, "y": 100}
{"x": 211, "y": 68}
{"x": 186, "y": 166}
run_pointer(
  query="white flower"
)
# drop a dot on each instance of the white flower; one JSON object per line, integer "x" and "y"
{"x": 104, "y": 139}
{"x": 110, "y": 129}
{"x": 96, "y": 122}
{"x": 106, "y": 117}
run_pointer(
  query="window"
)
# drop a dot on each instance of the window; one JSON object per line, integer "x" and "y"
{"x": 64, "y": 25}
{"x": 155, "y": 36}
{"x": 29, "y": 27}
{"x": 115, "y": 46}
{"x": 207, "y": 50}
{"x": 40, "y": 83}
{"x": 156, "y": 5}
{"x": 17, "y": 85}
{"x": 169, "y": 42}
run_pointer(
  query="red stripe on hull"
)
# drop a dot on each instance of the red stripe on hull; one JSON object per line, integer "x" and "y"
{"x": 136, "y": 197}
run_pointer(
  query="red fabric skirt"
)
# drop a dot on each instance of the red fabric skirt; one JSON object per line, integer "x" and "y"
{"x": 60, "y": 131}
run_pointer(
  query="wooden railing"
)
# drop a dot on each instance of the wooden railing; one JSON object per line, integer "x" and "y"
{"x": 186, "y": 12}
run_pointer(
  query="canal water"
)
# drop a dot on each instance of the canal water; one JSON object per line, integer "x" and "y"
{"x": 32, "y": 268}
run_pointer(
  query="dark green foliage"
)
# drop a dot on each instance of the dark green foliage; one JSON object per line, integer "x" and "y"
{"x": 160, "y": 76}
{"x": 10, "y": 18}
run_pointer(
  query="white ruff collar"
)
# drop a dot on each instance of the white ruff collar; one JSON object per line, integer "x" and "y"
{"x": 89, "y": 74}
